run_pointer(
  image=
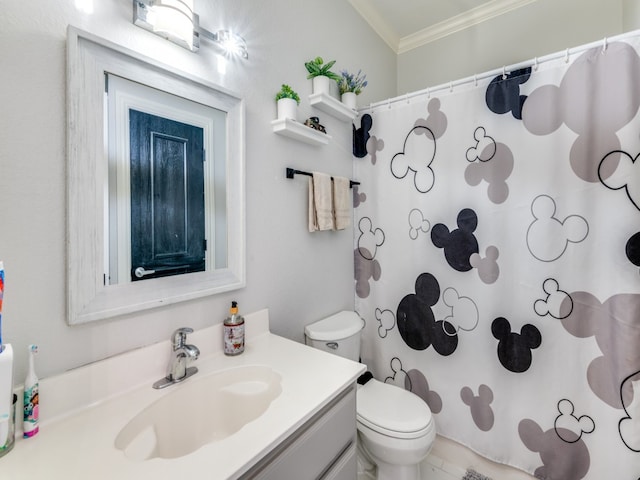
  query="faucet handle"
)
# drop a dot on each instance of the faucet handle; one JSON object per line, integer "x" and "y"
{"x": 180, "y": 336}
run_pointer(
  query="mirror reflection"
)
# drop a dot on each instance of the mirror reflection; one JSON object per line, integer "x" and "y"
{"x": 155, "y": 183}
{"x": 166, "y": 183}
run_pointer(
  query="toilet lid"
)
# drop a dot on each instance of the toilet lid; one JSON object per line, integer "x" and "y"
{"x": 392, "y": 410}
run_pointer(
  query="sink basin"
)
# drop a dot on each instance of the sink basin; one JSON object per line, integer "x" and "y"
{"x": 198, "y": 412}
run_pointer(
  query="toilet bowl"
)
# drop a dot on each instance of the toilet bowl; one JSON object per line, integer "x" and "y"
{"x": 395, "y": 430}
{"x": 395, "y": 427}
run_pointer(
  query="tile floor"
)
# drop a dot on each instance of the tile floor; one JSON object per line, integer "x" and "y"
{"x": 433, "y": 468}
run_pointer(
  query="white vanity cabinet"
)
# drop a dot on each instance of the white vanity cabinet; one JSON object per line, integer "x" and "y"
{"x": 323, "y": 448}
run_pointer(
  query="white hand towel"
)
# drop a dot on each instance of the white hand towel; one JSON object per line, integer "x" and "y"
{"x": 341, "y": 204}
{"x": 320, "y": 202}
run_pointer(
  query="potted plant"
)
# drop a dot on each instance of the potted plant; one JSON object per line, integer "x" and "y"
{"x": 321, "y": 74}
{"x": 287, "y": 101}
{"x": 351, "y": 85}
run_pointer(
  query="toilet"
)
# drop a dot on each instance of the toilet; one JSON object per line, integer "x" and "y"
{"x": 395, "y": 427}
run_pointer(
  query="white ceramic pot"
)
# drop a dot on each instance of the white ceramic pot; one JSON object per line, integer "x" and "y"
{"x": 287, "y": 108}
{"x": 321, "y": 84}
{"x": 349, "y": 99}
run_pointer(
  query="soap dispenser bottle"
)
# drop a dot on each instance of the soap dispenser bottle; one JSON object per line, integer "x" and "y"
{"x": 233, "y": 332}
{"x": 31, "y": 398}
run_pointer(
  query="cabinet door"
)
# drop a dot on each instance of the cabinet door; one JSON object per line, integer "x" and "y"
{"x": 317, "y": 447}
{"x": 346, "y": 467}
{"x": 167, "y": 196}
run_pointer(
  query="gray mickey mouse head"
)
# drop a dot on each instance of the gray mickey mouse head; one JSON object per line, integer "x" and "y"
{"x": 480, "y": 405}
{"x": 560, "y": 460}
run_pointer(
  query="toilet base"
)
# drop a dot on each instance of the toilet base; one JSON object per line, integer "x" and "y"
{"x": 371, "y": 467}
{"x": 398, "y": 472}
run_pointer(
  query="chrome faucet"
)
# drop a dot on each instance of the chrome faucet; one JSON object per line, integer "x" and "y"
{"x": 181, "y": 355}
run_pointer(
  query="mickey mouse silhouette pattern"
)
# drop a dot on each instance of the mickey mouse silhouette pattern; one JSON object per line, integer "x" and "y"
{"x": 436, "y": 122}
{"x": 569, "y": 427}
{"x": 628, "y": 425}
{"x": 416, "y": 382}
{"x": 387, "y": 321}
{"x": 595, "y": 86}
{"x": 361, "y": 136}
{"x": 416, "y": 322}
{"x": 491, "y": 162}
{"x": 626, "y": 174}
{"x": 417, "y": 223}
{"x": 561, "y": 460}
{"x": 503, "y": 93}
{"x": 632, "y": 249}
{"x": 416, "y": 157}
{"x": 480, "y": 406}
{"x": 514, "y": 349}
{"x": 547, "y": 236}
{"x": 615, "y": 325}
{"x": 459, "y": 244}
{"x": 552, "y": 304}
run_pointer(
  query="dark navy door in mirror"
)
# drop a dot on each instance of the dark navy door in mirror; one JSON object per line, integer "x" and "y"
{"x": 167, "y": 197}
{"x": 417, "y": 324}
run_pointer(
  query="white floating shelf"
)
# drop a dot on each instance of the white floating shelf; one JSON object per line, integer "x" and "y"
{"x": 333, "y": 107}
{"x": 293, "y": 129}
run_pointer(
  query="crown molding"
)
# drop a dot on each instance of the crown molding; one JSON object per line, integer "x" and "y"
{"x": 377, "y": 23}
{"x": 439, "y": 30}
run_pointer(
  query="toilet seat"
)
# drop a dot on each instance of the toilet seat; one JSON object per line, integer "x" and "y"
{"x": 392, "y": 411}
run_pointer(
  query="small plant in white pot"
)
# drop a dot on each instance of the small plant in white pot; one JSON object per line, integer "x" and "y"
{"x": 287, "y": 101}
{"x": 351, "y": 85}
{"x": 321, "y": 74}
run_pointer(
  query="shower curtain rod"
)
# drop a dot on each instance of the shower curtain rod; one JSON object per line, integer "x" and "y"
{"x": 504, "y": 70}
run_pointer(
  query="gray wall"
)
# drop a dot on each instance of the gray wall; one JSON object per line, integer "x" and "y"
{"x": 537, "y": 29}
{"x": 298, "y": 276}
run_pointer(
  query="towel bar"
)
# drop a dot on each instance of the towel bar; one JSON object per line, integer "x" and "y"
{"x": 291, "y": 172}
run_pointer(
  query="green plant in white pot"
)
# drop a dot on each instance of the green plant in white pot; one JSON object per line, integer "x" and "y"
{"x": 321, "y": 75}
{"x": 287, "y": 101}
{"x": 351, "y": 85}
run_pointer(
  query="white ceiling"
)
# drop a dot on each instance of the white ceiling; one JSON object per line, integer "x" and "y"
{"x": 407, "y": 24}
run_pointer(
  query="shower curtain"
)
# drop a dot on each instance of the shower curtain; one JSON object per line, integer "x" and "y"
{"x": 497, "y": 260}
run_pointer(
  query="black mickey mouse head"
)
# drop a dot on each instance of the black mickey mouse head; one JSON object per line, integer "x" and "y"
{"x": 459, "y": 244}
{"x": 632, "y": 249}
{"x": 503, "y": 93}
{"x": 514, "y": 349}
{"x": 361, "y": 136}
{"x": 416, "y": 322}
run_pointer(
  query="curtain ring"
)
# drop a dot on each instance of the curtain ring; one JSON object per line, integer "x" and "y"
{"x": 389, "y": 103}
{"x": 407, "y": 97}
{"x": 504, "y": 72}
{"x": 604, "y": 45}
{"x": 450, "y": 87}
{"x": 566, "y": 56}
{"x": 475, "y": 80}
{"x": 535, "y": 64}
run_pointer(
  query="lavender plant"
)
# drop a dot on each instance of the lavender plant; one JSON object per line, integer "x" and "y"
{"x": 350, "y": 82}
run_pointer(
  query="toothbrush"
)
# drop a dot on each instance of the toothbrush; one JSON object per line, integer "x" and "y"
{"x": 31, "y": 398}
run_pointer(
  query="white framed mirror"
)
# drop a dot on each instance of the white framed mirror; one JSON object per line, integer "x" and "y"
{"x": 105, "y": 82}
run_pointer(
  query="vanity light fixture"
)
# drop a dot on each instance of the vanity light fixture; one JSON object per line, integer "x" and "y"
{"x": 176, "y": 21}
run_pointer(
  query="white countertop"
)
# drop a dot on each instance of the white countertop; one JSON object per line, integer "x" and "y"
{"x": 89, "y": 406}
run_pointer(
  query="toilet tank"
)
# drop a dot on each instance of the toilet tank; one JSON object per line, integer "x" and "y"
{"x": 338, "y": 334}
